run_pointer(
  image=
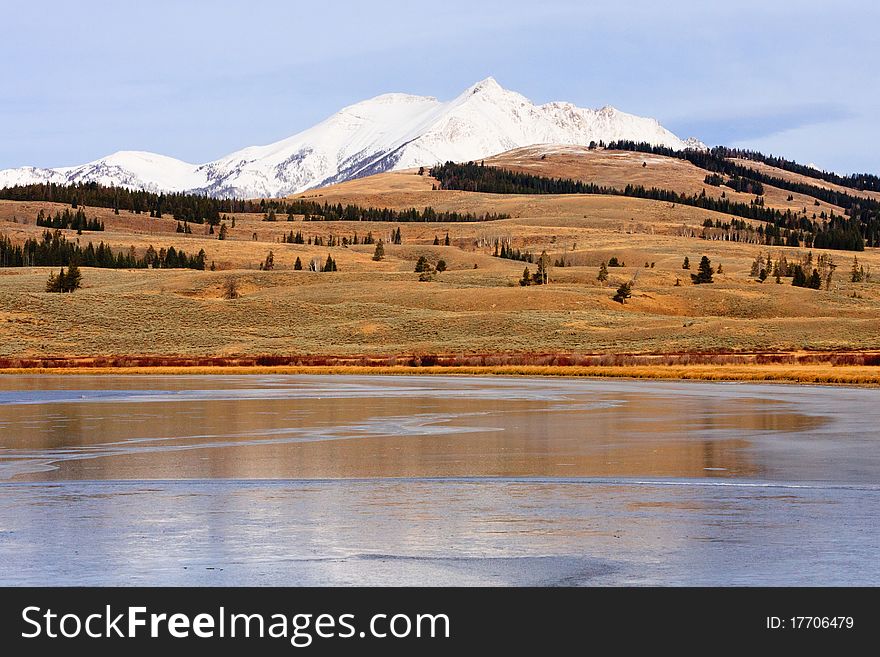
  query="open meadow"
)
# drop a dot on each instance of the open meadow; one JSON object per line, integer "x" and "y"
{"x": 476, "y": 306}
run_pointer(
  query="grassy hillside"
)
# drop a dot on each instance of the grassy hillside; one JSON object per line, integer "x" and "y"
{"x": 476, "y": 306}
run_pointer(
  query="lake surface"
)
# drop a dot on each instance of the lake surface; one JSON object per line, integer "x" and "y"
{"x": 290, "y": 480}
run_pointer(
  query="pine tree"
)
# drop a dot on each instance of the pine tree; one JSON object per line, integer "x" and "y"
{"x": 815, "y": 281}
{"x": 54, "y": 282}
{"x": 705, "y": 271}
{"x": 298, "y": 265}
{"x": 379, "y": 253}
{"x": 623, "y": 293}
{"x": 446, "y": 241}
{"x": 603, "y": 273}
{"x": 269, "y": 263}
{"x": 542, "y": 275}
{"x": 436, "y": 241}
{"x": 223, "y": 231}
{"x": 73, "y": 280}
{"x": 422, "y": 265}
{"x": 526, "y": 279}
{"x": 686, "y": 264}
{"x": 856, "y": 273}
{"x": 441, "y": 265}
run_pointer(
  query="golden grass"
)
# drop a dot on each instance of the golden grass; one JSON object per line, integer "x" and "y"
{"x": 380, "y": 308}
{"x": 804, "y": 374}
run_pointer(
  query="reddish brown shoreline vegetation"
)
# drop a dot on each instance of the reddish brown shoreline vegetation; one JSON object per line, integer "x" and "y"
{"x": 835, "y": 359}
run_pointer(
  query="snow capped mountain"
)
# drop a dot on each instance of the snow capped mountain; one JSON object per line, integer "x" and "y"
{"x": 388, "y": 132}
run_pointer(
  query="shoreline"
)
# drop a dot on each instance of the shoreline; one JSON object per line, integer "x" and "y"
{"x": 820, "y": 373}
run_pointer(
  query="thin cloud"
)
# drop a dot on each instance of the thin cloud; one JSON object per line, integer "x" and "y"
{"x": 758, "y": 125}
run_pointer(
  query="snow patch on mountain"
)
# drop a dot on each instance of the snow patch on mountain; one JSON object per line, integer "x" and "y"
{"x": 389, "y": 132}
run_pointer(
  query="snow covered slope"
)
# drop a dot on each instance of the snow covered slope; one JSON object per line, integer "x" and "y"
{"x": 392, "y": 131}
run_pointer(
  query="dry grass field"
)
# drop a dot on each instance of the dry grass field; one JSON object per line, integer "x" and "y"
{"x": 476, "y": 306}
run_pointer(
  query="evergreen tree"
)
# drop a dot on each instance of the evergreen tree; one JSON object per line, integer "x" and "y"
{"x": 856, "y": 273}
{"x": 705, "y": 271}
{"x": 542, "y": 275}
{"x": 446, "y": 241}
{"x": 379, "y": 253}
{"x": 54, "y": 282}
{"x": 686, "y": 264}
{"x": 526, "y": 279}
{"x": 298, "y": 265}
{"x": 623, "y": 293}
{"x": 422, "y": 265}
{"x": 436, "y": 241}
{"x": 815, "y": 281}
{"x": 441, "y": 265}
{"x": 223, "y": 232}
{"x": 269, "y": 263}
{"x": 603, "y": 273}
{"x": 73, "y": 280}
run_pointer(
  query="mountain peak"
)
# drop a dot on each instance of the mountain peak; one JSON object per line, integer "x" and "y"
{"x": 388, "y": 132}
{"x": 486, "y": 85}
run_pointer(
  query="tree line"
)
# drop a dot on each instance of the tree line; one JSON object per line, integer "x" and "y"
{"x": 69, "y": 220}
{"x": 195, "y": 208}
{"x": 54, "y": 250}
{"x": 858, "y": 181}
{"x": 337, "y": 212}
{"x": 864, "y": 213}
{"x": 843, "y": 233}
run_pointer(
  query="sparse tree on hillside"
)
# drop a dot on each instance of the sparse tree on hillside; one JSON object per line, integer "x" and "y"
{"x": 623, "y": 293}
{"x": 436, "y": 241}
{"x": 298, "y": 265}
{"x": 542, "y": 275}
{"x": 223, "y": 232}
{"x": 446, "y": 241}
{"x": 269, "y": 263}
{"x": 230, "y": 289}
{"x": 379, "y": 253}
{"x": 422, "y": 265}
{"x": 857, "y": 273}
{"x": 54, "y": 282}
{"x": 73, "y": 280}
{"x": 704, "y": 272}
{"x": 686, "y": 264}
{"x": 441, "y": 265}
{"x": 526, "y": 279}
{"x": 603, "y": 273}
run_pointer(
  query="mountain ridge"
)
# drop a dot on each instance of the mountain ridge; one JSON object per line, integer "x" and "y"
{"x": 388, "y": 132}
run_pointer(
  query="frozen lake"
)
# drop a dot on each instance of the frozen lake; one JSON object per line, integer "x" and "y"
{"x": 311, "y": 480}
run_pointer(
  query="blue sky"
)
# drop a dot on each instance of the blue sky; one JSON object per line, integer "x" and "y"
{"x": 196, "y": 80}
